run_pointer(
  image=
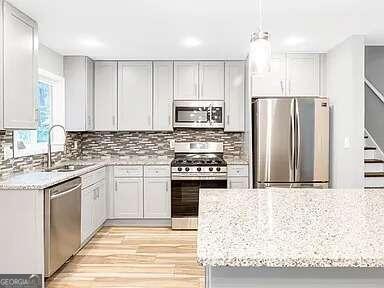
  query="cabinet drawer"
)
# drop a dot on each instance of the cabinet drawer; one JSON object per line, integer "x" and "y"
{"x": 157, "y": 171}
{"x": 92, "y": 177}
{"x": 129, "y": 171}
{"x": 237, "y": 170}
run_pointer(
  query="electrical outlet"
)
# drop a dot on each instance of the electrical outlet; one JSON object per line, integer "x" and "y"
{"x": 8, "y": 152}
{"x": 172, "y": 144}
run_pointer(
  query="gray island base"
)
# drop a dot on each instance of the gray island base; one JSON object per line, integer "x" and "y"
{"x": 292, "y": 238}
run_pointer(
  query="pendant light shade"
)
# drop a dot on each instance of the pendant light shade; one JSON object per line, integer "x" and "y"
{"x": 260, "y": 49}
{"x": 260, "y": 53}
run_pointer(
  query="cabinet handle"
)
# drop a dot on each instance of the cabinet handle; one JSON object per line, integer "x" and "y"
{"x": 228, "y": 119}
{"x": 113, "y": 121}
{"x": 195, "y": 89}
{"x": 115, "y": 186}
{"x": 37, "y": 115}
{"x": 289, "y": 86}
{"x": 282, "y": 87}
{"x": 166, "y": 187}
{"x": 149, "y": 120}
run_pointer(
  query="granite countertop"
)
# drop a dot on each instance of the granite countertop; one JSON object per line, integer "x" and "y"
{"x": 236, "y": 161}
{"x": 37, "y": 180}
{"x": 291, "y": 228}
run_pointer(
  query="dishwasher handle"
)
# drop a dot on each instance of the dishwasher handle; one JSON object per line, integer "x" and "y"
{"x": 60, "y": 194}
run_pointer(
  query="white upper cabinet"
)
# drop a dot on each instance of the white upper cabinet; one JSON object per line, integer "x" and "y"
{"x": 79, "y": 93}
{"x": 20, "y": 46}
{"x": 186, "y": 80}
{"x": 234, "y": 96}
{"x": 162, "y": 95}
{"x": 135, "y": 95}
{"x": 291, "y": 75}
{"x": 211, "y": 80}
{"x": 273, "y": 82}
{"x": 303, "y": 74}
{"x": 105, "y": 95}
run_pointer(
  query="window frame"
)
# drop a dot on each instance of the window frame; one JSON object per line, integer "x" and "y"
{"x": 57, "y": 112}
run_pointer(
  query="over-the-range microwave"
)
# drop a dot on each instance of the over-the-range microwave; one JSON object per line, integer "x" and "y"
{"x": 198, "y": 114}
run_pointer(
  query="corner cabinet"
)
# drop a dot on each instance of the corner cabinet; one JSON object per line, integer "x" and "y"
{"x": 162, "y": 95}
{"x": 234, "y": 96}
{"x": 79, "y": 93}
{"x": 106, "y": 95}
{"x": 19, "y": 78}
{"x": 135, "y": 95}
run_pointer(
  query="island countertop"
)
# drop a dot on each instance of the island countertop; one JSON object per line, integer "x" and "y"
{"x": 291, "y": 228}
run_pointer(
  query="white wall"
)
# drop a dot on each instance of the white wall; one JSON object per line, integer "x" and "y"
{"x": 345, "y": 88}
{"x": 50, "y": 61}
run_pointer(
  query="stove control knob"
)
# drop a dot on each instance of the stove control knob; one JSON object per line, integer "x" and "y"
{"x": 179, "y": 169}
{"x": 218, "y": 169}
{"x": 210, "y": 169}
{"x": 199, "y": 169}
{"x": 187, "y": 169}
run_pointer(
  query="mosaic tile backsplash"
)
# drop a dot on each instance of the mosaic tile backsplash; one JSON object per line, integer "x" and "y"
{"x": 120, "y": 144}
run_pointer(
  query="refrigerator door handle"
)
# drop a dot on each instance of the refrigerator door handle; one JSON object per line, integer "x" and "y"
{"x": 292, "y": 142}
{"x": 297, "y": 142}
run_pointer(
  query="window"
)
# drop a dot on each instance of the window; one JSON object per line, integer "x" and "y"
{"x": 50, "y": 101}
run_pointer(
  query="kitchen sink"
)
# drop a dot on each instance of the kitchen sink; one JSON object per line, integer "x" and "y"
{"x": 66, "y": 168}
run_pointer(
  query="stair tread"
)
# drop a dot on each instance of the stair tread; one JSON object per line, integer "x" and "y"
{"x": 374, "y": 174}
{"x": 373, "y": 161}
{"x": 369, "y": 148}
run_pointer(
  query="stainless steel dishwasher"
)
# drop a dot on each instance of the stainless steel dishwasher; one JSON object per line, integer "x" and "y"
{"x": 62, "y": 231}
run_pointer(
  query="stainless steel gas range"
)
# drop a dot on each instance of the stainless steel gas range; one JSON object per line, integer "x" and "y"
{"x": 197, "y": 165}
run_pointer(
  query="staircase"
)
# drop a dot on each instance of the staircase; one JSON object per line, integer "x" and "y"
{"x": 373, "y": 164}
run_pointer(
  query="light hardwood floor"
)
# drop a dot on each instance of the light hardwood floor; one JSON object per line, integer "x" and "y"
{"x": 134, "y": 257}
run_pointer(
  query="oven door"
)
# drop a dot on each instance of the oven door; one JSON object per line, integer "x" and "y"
{"x": 185, "y": 199}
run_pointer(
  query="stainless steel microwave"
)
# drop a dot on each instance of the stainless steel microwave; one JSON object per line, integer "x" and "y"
{"x": 198, "y": 114}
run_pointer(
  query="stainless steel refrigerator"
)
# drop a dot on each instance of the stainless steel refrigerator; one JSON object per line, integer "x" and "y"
{"x": 290, "y": 142}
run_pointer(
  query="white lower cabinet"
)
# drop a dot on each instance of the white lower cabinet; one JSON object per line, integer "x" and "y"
{"x": 238, "y": 183}
{"x": 128, "y": 198}
{"x": 157, "y": 198}
{"x": 238, "y": 177}
{"x": 86, "y": 213}
{"x": 93, "y": 208}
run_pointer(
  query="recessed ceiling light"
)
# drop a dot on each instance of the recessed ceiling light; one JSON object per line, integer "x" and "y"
{"x": 91, "y": 42}
{"x": 294, "y": 41}
{"x": 191, "y": 42}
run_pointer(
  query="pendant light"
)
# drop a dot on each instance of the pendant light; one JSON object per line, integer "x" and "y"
{"x": 260, "y": 49}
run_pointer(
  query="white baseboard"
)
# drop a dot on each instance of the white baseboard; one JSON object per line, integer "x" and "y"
{"x": 139, "y": 222}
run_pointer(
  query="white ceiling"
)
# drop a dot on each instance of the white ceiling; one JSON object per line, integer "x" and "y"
{"x": 156, "y": 29}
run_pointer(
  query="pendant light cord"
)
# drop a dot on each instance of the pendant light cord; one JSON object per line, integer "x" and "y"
{"x": 260, "y": 17}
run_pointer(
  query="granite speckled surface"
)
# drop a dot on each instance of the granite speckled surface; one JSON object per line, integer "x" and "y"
{"x": 291, "y": 228}
{"x": 37, "y": 180}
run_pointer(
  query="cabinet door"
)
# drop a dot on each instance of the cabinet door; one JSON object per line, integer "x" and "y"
{"x": 99, "y": 212}
{"x": 162, "y": 95}
{"x": 106, "y": 96}
{"x": 157, "y": 198}
{"x": 303, "y": 74}
{"x": 238, "y": 183}
{"x": 234, "y": 96}
{"x": 135, "y": 96}
{"x": 186, "y": 80}
{"x": 87, "y": 207}
{"x": 20, "y": 70}
{"x": 90, "y": 101}
{"x": 211, "y": 80}
{"x": 128, "y": 199}
{"x": 272, "y": 83}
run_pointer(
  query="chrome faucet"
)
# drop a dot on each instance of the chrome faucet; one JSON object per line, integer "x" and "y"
{"x": 49, "y": 154}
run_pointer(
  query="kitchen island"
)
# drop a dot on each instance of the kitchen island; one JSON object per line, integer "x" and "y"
{"x": 292, "y": 238}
